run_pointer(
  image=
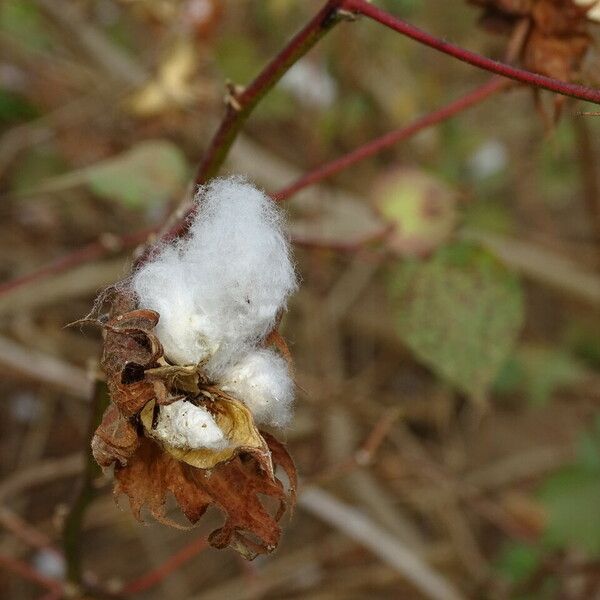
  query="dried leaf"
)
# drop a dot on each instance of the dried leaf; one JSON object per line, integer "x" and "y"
{"x": 553, "y": 56}
{"x": 558, "y": 38}
{"x": 173, "y": 85}
{"x": 276, "y": 339}
{"x": 129, "y": 348}
{"x": 233, "y": 487}
{"x": 185, "y": 379}
{"x": 115, "y": 440}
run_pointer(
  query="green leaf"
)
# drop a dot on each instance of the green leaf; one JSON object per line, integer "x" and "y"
{"x": 238, "y": 58}
{"x": 511, "y": 378}
{"x": 460, "y": 313}
{"x": 582, "y": 337}
{"x": 21, "y": 20}
{"x": 37, "y": 165}
{"x": 491, "y": 216}
{"x": 518, "y": 561}
{"x": 146, "y": 174}
{"x": 14, "y": 107}
{"x": 548, "y": 370}
{"x": 588, "y": 448}
{"x": 572, "y": 497}
{"x": 538, "y": 372}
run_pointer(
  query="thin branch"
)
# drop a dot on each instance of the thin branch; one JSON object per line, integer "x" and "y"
{"x": 389, "y": 139}
{"x": 487, "y": 64}
{"x": 72, "y": 528}
{"x": 174, "y": 562}
{"x": 27, "y": 572}
{"x": 247, "y": 100}
{"x": 239, "y": 107}
{"x": 241, "y": 104}
{"x": 40, "y": 473}
{"x": 25, "y": 532}
{"x": 39, "y": 366}
{"x": 110, "y": 244}
{"x": 105, "y": 245}
{"x": 390, "y": 550}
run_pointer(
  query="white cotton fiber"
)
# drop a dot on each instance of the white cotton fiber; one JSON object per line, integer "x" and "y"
{"x": 262, "y": 381}
{"x": 184, "y": 425}
{"x": 593, "y": 13}
{"x": 219, "y": 290}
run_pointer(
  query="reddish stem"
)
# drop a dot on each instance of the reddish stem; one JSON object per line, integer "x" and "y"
{"x": 240, "y": 104}
{"x": 86, "y": 254}
{"x": 527, "y": 77}
{"x": 100, "y": 248}
{"x": 246, "y": 100}
{"x": 27, "y": 572}
{"x": 26, "y": 532}
{"x": 174, "y": 562}
{"x": 389, "y": 139}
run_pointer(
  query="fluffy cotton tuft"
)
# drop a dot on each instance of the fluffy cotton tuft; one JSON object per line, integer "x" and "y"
{"x": 184, "y": 425}
{"x": 262, "y": 380}
{"x": 219, "y": 290}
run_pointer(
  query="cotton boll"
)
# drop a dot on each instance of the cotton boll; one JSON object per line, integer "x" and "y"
{"x": 162, "y": 286}
{"x": 184, "y": 425}
{"x": 262, "y": 381}
{"x": 219, "y": 290}
{"x": 244, "y": 271}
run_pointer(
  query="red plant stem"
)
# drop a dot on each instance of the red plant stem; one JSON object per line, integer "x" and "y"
{"x": 27, "y": 572}
{"x": 86, "y": 254}
{"x": 25, "y": 532}
{"x": 100, "y": 248}
{"x": 156, "y": 575}
{"x": 389, "y": 139}
{"x": 241, "y": 104}
{"x": 239, "y": 108}
{"x": 271, "y": 74}
{"x": 527, "y": 77}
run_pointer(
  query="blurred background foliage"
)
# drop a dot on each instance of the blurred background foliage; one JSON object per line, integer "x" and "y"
{"x": 476, "y": 316}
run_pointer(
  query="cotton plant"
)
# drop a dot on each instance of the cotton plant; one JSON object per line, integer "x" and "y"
{"x": 194, "y": 365}
{"x": 219, "y": 292}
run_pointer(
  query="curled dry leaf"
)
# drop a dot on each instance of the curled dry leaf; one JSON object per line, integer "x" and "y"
{"x": 232, "y": 479}
{"x": 558, "y": 38}
{"x": 115, "y": 440}
{"x": 233, "y": 487}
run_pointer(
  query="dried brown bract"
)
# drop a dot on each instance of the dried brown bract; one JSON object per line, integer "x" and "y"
{"x": 558, "y": 37}
{"x": 147, "y": 470}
